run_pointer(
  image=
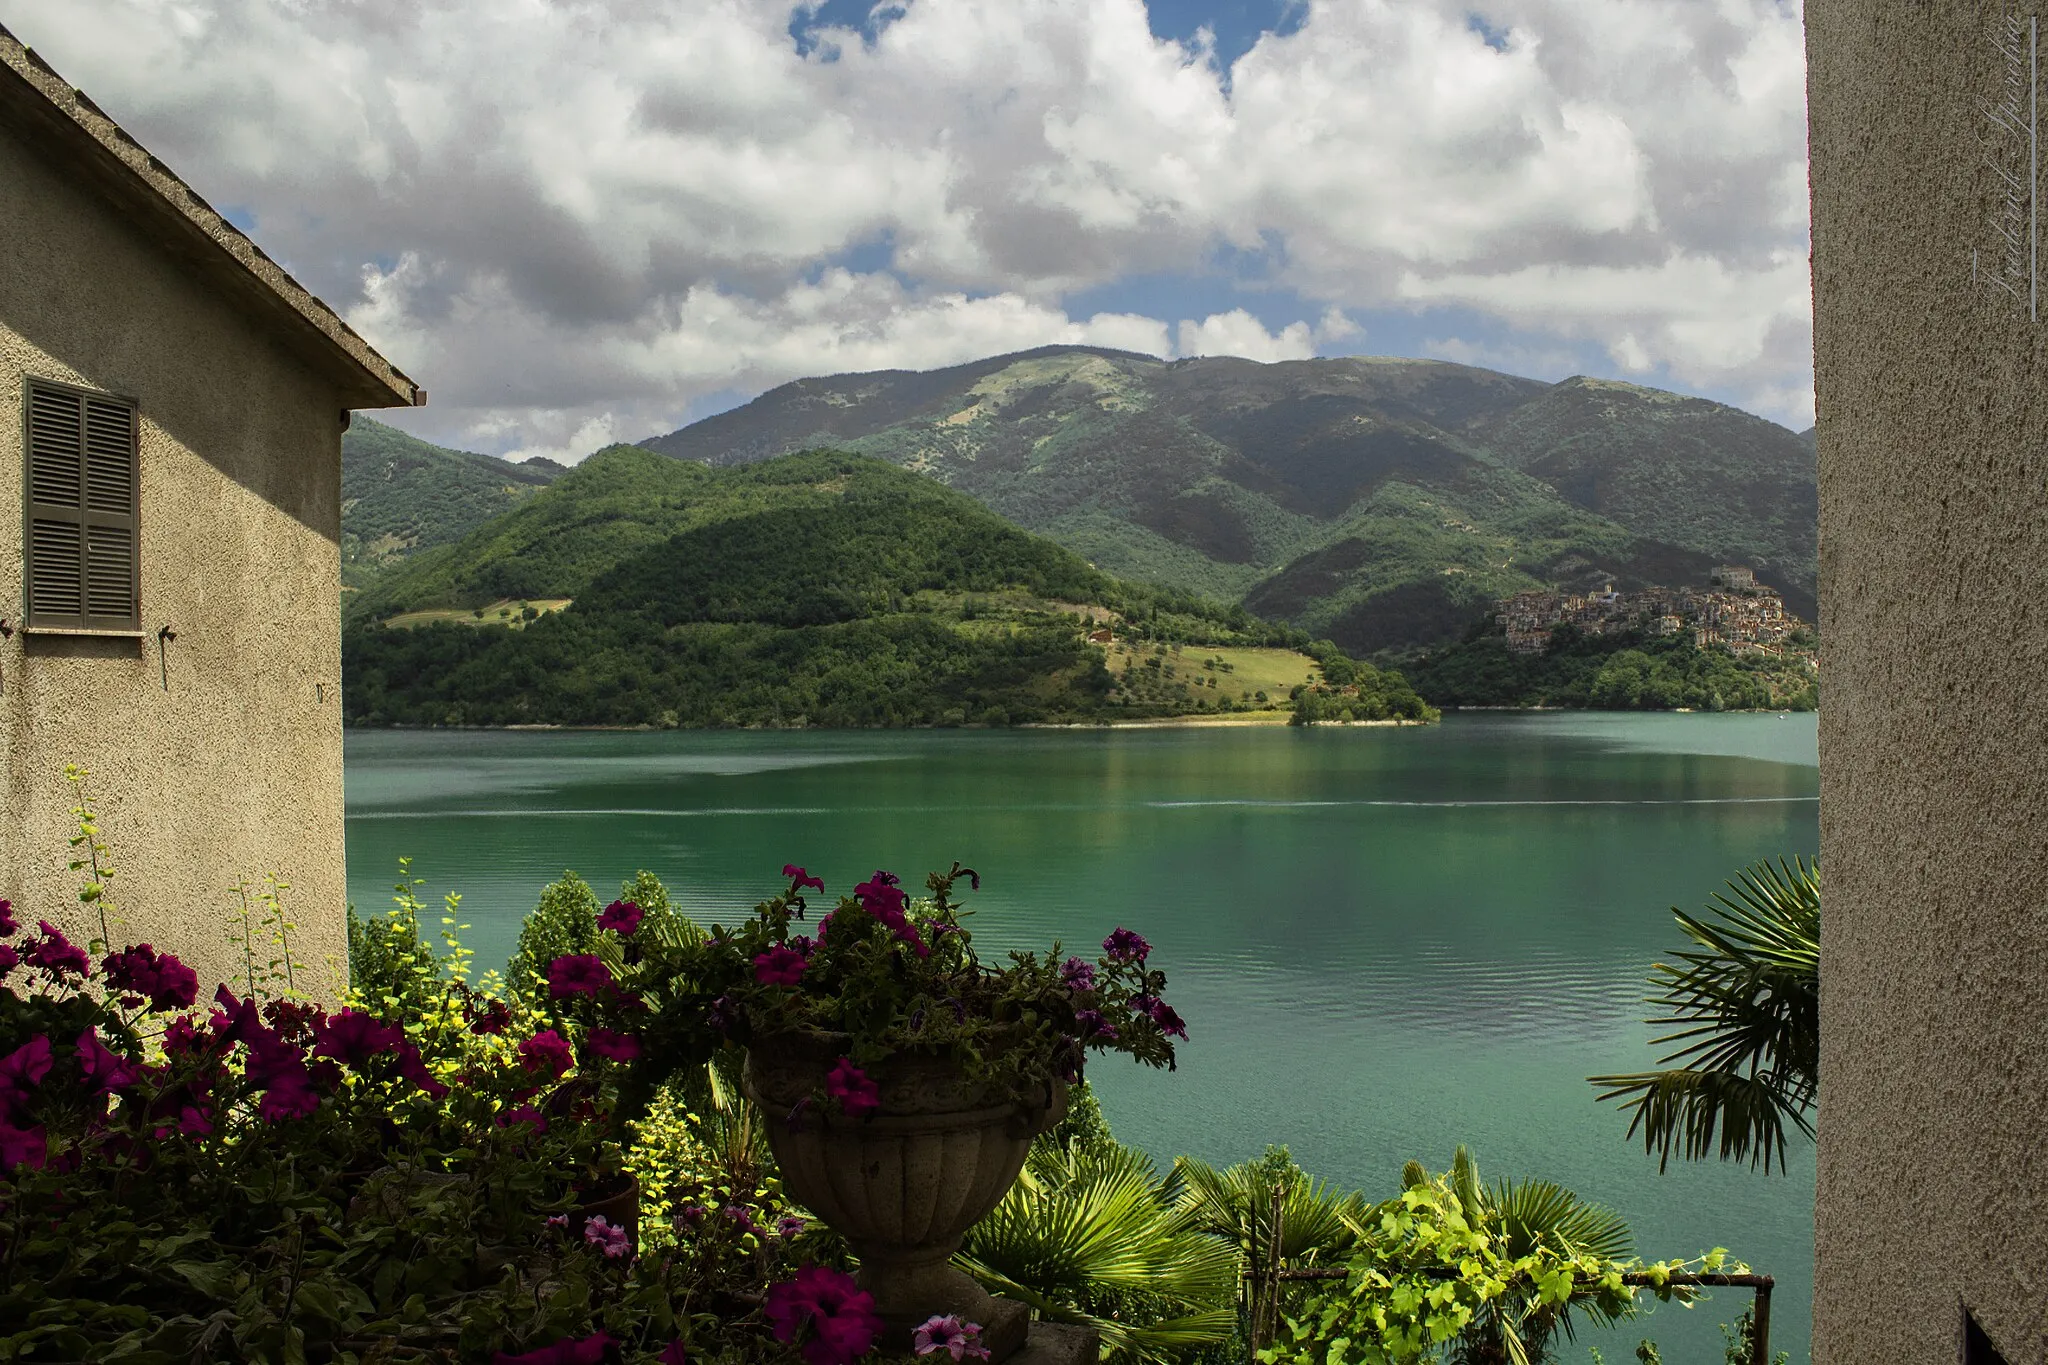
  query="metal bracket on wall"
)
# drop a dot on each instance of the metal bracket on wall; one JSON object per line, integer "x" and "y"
{"x": 164, "y": 635}
{"x": 6, "y": 633}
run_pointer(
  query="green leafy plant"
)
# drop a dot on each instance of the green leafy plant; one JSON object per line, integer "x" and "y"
{"x": 1450, "y": 1268}
{"x": 1745, "y": 1006}
{"x": 1100, "y": 1239}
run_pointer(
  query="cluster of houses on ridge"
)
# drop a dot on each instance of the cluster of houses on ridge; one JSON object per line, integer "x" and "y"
{"x": 1736, "y": 612}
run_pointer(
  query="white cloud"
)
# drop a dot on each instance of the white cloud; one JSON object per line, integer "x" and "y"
{"x": 555, "y": 213}
{"x": 1238, "y": 333}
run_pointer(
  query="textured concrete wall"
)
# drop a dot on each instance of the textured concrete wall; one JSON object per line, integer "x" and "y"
{"x": 234, "y": 769}
{"x": 1934, "y": 730}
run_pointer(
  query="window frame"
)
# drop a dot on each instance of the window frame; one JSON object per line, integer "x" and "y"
{"x": 85, "y": 622}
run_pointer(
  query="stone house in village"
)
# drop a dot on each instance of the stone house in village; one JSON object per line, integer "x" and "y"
{"x": 171, "y": 410}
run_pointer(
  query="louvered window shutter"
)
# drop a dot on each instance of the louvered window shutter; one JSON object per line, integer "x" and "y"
{"x": 83, "y": 530}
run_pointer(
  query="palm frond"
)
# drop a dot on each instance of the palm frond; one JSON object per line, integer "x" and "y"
{"x": 1092, "y": 1239}
{"x": 1745, "y": 1003}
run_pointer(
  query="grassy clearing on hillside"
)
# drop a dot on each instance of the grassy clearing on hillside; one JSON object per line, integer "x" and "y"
{"x": 506, "y": 611}
{"x": 1207, "y": 675}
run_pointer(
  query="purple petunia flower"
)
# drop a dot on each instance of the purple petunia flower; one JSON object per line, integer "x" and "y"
{"x": 354, "y": 1038}
{"x": 577, "y": 974}
{"x": 160, "y": 978}
{"x": 848, "y": 1084}
{"x": 1077, "y": 975}
{"x": 673, "y": 1354}
{"x": 526, "y": 1113}
{"x": 621, "y": 917}
{"x": 9, "y": 959}
{"x": 952, "y": 1334}
{"x": 105, "y": 1070}
{"x": 546, "y": 1051}
{"x": 617, "y": 1047}
{"x": 54, "y": 954}
{"x": 881, "y": 897}
{"x": 21, "y": 1071}
{"x": 606, "y": 1237}
{"x": 1169, "y": 1022}
{"x": 1126, "y": 946}
{"x": 800, "y": 879}
{"x": 839, "y": 1313}
{"x": 590, "y": 1350}
{"x": 7, "y": 924}
{"x": 559, "y": 1221}
{"x": 790, "y": 1226}
{"x": 23, "y": 1147}
{"x": 722, "y": 1014}
{"x": 1093, "y": 1025}
{"x": 779, "y": 967}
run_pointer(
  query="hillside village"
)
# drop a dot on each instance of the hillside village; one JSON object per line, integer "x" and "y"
{"x": 1735, "y": 611}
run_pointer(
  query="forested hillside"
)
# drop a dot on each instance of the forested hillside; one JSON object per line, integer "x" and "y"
{"x": 1384, "y": 503}
{"x": 401, "y": 495}
{"x": 820, "y": 588}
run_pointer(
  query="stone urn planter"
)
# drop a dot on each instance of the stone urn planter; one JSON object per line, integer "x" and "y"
{"x": 904, "y": 1184}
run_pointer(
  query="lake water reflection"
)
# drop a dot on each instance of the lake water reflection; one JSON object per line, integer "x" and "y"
{"x": 1385, "y": 941}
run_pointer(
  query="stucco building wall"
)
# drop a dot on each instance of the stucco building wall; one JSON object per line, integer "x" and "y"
{"x": 232, "y": 769}
{"x": 1933, "y": 446}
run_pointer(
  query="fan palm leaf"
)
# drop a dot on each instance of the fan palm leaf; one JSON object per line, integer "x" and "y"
{"x": 1096, "y": 1239}
{"x": 1746, "y": 1005}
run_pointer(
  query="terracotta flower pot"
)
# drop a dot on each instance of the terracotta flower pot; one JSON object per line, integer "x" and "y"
{"x": 904, "y": 1184}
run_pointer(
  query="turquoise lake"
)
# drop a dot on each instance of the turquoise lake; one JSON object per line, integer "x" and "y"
{"x": 1385, "y": 941}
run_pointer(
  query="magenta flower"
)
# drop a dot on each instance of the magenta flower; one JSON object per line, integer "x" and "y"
{"x": 161, "y": 979}
{"x": 848, "y": 1084}
{"x": 621, "y": 917}
{"x": 588, "y": 1350}
{"x": 577, "y": 974}
{"x": 559, "y": 1221}
{"x": 493, "y": 1018}
{"x": 354, "y": 1038}
{"x": 951, "y": 1334}
{"x": 55, "y": 954}
{"x": 673, "y": 1354}
{"x": 881, "y": 897}
{"x": 779, "y": 967}
{"x": 105, "y": 1071}
{"x": 526, "y": 1113}
{"x": 801, "y": 878}
{"x": 606, "y": 1237}
{"x": 22, "y": 1070}
{"x": 546, "y": 1051}
{"x": 1169, "y": 1022}
{"x": 7, "y": 924}
{"x": 1093, "y": 1025}
{"x": 23, "y": 1147}
{"x": 790, "y": 1226}
{"x": 617, "y": 1047}
{"x": 9, "y": 959}
{"x": 1077, "y": 975}
{"x": 839, "y": 1313}
{"x": 413, "y": 1067}
{"x": 1125, "y": 946}
{"x": 279, "y": 1070}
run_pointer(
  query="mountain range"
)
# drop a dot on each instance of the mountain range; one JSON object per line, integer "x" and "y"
{"x": 1382, "y": 503}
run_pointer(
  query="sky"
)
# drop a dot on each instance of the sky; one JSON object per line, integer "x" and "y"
{"x": 585, "y": 221}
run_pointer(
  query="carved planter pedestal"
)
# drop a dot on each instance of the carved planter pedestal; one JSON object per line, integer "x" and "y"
{"x": 904, "y": 1184}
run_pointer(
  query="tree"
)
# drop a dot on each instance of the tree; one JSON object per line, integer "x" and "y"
{"x": 1745, "y": 1004}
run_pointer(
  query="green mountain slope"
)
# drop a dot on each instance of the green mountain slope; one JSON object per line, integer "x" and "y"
{"x": 401, "y": 495}
{"x": 819, "y": 588}
{"x": 1382, "y": 502}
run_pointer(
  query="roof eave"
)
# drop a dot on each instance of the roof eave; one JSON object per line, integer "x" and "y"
{"x": 38, "y": 102}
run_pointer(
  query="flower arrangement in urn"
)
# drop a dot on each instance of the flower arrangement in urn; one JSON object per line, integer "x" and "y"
{"x": 903, "y": 1077}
